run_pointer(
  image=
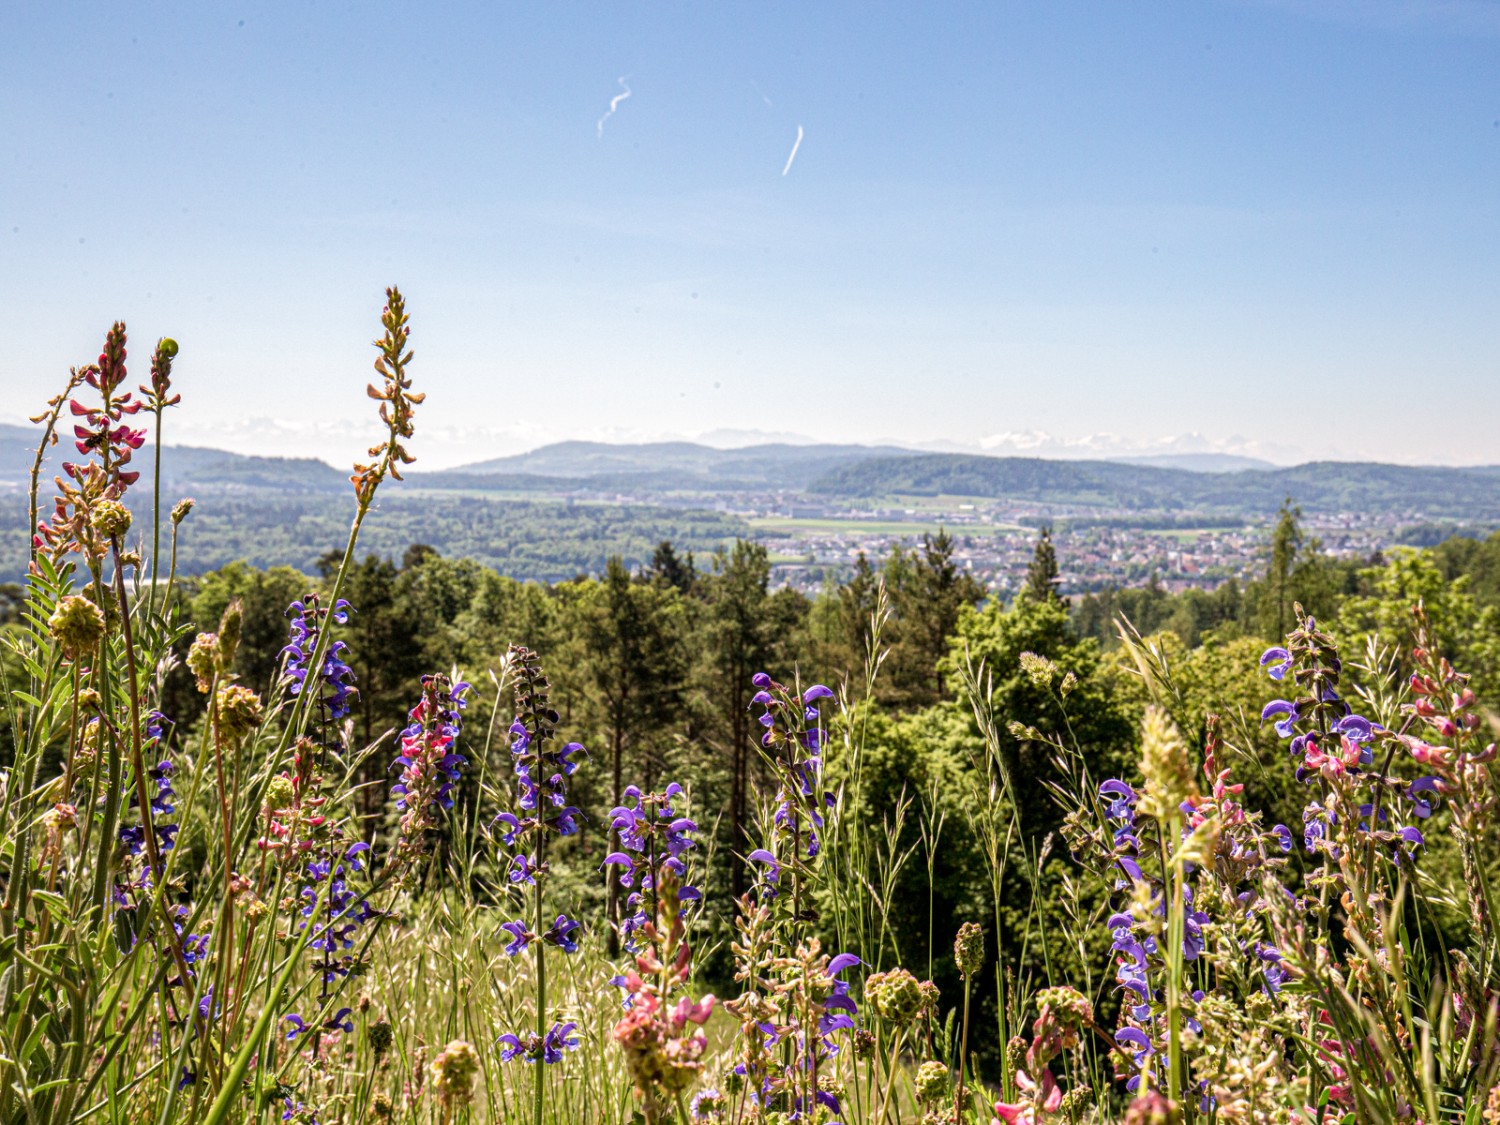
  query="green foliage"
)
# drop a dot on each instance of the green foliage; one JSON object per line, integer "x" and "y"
{"x": 549, "y": 540}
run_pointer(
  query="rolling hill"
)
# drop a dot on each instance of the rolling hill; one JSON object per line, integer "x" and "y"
{"x": 1325, "y": 486}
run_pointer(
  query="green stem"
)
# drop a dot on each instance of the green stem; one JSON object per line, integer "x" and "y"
{"x": 155, "y": 515}
{"x": 963, "y": 1056}
{"x": 538, "y": 1067}
{"x": 1175, "y": 932}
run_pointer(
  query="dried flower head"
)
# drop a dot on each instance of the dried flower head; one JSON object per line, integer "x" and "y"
{"x": 239, "y": 711}
{"x": 230, "y": 626}
{"x": 110, "y": 519}
{"x": 1165, "y": 765}
{"x": 931, "y": 1081}
{"x": 203, "y": 659}
{"x": 968, "y": 949}
{"x": 453, "y": 1073}
{"x": 380, "y": 1037}
{"x": 1038, "y": 669}
{"x": 896, "y": 995}
{"x": 77, "y": 624}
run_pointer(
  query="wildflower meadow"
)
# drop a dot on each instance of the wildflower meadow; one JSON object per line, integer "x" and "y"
{"x": 982, "y": 870}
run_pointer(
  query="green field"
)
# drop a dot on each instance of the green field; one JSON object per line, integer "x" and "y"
{"x": 864, "y": 527}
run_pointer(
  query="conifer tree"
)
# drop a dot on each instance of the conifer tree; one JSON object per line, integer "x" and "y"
{"x": 1042, "y": 576}
{"x": 634, "y": 655}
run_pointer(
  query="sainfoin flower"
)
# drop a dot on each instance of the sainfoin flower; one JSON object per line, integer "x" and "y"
{"x": 429, "y": 763}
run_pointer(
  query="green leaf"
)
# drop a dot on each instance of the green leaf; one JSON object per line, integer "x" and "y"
{"x": 56, "y": 905}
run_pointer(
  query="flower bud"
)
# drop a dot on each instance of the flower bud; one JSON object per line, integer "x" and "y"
{"x": 708, "y": 1105}
{"x": 930, "y": 997}
{"x": 1038, "y": 669}
{"x": 181, "y": 509}
{"x": 1492, "y": 1106}
{"x": 1067, "y": 1006}
{"x": 77, "y": 624}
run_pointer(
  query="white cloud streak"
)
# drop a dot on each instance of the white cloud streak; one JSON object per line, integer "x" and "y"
{"x": 614, "y": 104}
{"x": 793, "y": 155}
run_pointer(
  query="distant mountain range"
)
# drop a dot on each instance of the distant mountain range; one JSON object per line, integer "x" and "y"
{"x": 687, "y": 473}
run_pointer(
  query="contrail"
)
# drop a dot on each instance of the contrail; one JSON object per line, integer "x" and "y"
{"x": 795, "y": 146}
{"x": 761, "y": 92}
{"x": 614, "y": 104}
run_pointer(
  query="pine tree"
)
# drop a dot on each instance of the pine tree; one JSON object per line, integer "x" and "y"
{"x": 668, "y": 568}
{"x": 635, "y": 658}
{"x": 740, "y": 639}
{"x": 1287, "y": 542}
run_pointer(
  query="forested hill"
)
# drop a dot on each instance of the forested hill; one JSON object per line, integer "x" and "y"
{"x": 184, "y": 467}
{"x": 1327, "y": 486}
{"x": 664, "y": 464}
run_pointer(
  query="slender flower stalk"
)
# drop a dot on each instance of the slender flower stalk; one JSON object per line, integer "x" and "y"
{"x": 158, "y": 397}
{"x": 541, "y": 809}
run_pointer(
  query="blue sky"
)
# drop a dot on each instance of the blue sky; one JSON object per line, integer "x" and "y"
{"x": 1274, "y": 225}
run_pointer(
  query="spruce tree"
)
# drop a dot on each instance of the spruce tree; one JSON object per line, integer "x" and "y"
{"x": 1042, "y": 577}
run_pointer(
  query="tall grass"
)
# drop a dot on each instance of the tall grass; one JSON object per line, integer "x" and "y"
{"x": 197, "y": 925}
